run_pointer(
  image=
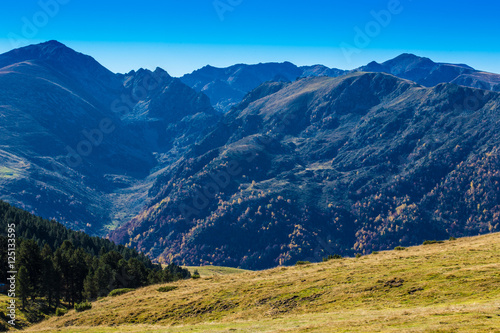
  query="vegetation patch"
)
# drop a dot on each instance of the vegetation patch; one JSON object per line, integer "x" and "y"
{"x": 84, "y": 306}
{"x": 429, "y": 242}
{"x": 121, "y": 291}
{"x": 167, "y": 289}
{"x": 61, "y": 312}
{"x": 332, "y": 256}
{"x": 208, "y": 270}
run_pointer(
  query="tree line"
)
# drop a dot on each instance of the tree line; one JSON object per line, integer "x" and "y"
{"x": 54, "y": 263}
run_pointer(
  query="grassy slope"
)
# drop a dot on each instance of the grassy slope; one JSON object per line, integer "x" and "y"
{"x": 449, "y": 287}
{"x": 21, "y": 320}
{"x": 206, "y": 271}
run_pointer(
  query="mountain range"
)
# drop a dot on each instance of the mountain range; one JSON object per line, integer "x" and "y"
{"x": 78, "y": 143}
{"x": 251, "y": 165}
{"x": 227, "y": 86}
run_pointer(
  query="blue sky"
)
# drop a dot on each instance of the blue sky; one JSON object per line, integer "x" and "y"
{"x": 183, "y": 35}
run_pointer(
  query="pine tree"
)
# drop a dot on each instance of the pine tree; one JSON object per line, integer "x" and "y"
{"x": 24, "y": 288}
{"x": 90, "y": 287}
{"x": 31, "y": 258}
{"x": 51, "y": 278}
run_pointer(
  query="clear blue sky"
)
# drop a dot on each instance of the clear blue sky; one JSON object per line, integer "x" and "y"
{"x": 183, "y": 35}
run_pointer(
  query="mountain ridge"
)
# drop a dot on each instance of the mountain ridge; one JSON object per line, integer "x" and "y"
{"x": 219, "y": 83}
{"x": 310, "y": 157}
{"x": 296, "y": 168}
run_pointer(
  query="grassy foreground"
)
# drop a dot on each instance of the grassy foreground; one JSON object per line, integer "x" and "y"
{"x": 448, "y": 287}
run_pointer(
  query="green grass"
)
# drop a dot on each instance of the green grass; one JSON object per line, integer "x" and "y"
{"x": 206, "y": 271}
{"x": 21, "y": 317}
{"x": 452, "y": 287}
{"x": 118, "y": 292}
{"x": 166, "y": 289}
{"x": 7, "y": 173}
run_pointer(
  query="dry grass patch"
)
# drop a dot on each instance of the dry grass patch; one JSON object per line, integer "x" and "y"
{"x": 449, "y": 287}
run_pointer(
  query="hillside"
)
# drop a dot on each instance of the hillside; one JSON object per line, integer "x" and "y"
{"x": 443, "y": 287}
{"x": 357, "y": 163}
{"x": 58, "y": 267}
{"x": 79, "y": 143}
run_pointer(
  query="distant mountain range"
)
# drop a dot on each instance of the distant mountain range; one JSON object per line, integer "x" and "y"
{"x": 302, "y": 162}
{"x": 227, "y": 86}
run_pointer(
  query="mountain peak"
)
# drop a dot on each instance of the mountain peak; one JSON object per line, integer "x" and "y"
{"x": 43, "y": 50}
{"x": 57, "y": 55}
{"x": 52, "y": 42}
{"x": 409, "y": 58}
{"x": 51, "y": 50}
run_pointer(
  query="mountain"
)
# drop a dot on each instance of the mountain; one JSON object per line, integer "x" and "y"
{"x": 79, "y": 143}
{"x": 303, "y": 165}
{"x": 358, "y": 163}
{"x": 227, "y": 86}
{"x": 76, "y": 69}
{"x": 321, "y": 70}
{"x": 428, "y": 73}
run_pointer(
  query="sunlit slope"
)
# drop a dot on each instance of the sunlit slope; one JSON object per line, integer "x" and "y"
{"x": 447, "y": 287}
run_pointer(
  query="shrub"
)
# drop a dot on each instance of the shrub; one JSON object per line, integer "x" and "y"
{"x": 118, "y": 292}
{"x": 399, "y": 248}
{"x": 60, "y": 312}
{"x": 428, "y": 242}
{"x": 301, "y": 262}
{"x": 166, "y": 289}
{"x": 196, "y": 274}
{"x": 358, "y": 255}
{"x": 79, "y": 307}
{"x": 375, "y": 252}
{"x": 452, "y": 238}
{"x": 334, "y": 256}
